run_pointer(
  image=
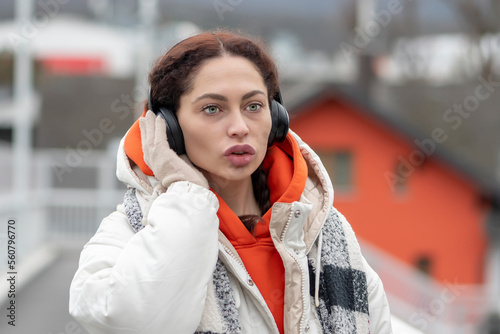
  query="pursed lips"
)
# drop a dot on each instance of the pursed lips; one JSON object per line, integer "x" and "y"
{"x": 240, "y": 155}
{"x": 240, "y": 150}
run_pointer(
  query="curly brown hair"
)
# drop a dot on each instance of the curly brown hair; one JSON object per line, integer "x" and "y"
{"x": 173, "y": 73}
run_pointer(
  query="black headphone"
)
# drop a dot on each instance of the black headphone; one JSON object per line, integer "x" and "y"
{"x": 279, "y": 128}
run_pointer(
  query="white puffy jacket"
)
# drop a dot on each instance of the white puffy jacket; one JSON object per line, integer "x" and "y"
{"x": 156, "y": 281}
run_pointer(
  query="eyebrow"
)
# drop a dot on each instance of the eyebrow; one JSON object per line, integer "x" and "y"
{"x": 252, "y": 93}
{"x": 211, "y": 96}
{"x": 223, "y": 98}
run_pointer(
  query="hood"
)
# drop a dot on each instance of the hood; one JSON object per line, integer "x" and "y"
{"x": 317, "y": 176}
{"x": 318, "y": 191}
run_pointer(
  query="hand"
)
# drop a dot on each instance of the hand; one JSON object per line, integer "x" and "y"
{"x": 166, "y": 165}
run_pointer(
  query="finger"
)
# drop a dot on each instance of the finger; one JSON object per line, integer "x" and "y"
{"x": 150, "y": 124}
{"x": 160, "y": 132}
{"x": 186, "y": 163}
{"x": 196, "y": 175}
{"x": 144, "y": 130}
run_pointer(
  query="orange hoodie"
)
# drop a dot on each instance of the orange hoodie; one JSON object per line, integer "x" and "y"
{"x": 287, "y": 174}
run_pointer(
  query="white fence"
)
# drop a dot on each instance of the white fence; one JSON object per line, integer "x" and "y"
{"x": 63, "y": 208}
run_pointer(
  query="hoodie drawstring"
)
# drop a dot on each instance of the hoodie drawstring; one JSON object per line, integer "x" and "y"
{"x": 318, "y": 268}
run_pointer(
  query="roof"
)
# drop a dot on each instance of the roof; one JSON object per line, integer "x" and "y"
{"x": 299, "y": 98}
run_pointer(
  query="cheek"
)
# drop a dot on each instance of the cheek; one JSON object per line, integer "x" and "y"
{"x": 197, "y": 146}
{"x": 194, "y": 141}
{"x": 194, "y": 136}
{"x": 265, "y": 130}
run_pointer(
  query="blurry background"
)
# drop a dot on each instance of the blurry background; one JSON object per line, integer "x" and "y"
{"x": 399, "y": 98}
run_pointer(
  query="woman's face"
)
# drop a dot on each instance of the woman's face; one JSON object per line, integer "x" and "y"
{"x": 225, "y": 119}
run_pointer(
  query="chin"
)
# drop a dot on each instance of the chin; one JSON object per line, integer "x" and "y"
{"x": 228, "y": 176}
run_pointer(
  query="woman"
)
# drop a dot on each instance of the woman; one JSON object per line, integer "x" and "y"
{"x": 238, "y": 235}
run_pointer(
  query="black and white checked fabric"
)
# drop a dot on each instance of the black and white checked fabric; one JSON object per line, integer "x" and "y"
{"x": 343, "y": 290}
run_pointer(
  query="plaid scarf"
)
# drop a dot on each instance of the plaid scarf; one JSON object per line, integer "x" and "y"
{"x": 343, "y": 292}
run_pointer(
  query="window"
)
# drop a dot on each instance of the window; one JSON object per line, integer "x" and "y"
{"x": 339, "y": 166}
{"x": 424, "y": 264}
{"x": 342, "y": 170}
{"x": 400, "y": 185}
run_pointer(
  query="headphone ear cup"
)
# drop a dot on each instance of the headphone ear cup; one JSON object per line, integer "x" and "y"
{"x": 175, "y": 137}
{"x": 280, "y": 123}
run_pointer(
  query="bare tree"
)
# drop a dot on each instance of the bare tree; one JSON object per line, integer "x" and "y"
{"x": 481, "y": 20}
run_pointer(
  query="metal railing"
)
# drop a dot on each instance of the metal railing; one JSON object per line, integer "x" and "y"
{"x": 52, "y": 212}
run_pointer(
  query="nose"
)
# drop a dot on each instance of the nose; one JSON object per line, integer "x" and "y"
{"x": 237, "y": 125}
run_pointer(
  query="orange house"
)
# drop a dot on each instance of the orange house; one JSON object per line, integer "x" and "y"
{"x": 399, "y": 191}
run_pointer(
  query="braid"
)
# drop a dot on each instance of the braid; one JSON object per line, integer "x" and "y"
{"x": 261, "y": 190}
{"x": 262, "y": 195}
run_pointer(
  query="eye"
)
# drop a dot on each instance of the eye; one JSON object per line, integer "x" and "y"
{"x": 254, "y": 107}
{"x": 211, "y": 109}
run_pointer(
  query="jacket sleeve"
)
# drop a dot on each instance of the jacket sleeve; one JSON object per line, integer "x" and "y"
{"x": 153, "y": 281}
{"x": 380, "y": 314}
